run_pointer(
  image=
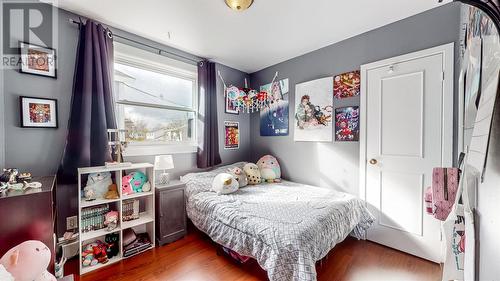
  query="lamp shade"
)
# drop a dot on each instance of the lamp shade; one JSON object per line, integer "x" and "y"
{"x": 164, "y": 162}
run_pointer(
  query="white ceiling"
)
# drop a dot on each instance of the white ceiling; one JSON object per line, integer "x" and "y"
{"x": 271, "y": 31}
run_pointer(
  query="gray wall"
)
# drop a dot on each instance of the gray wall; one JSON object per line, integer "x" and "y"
{"x": 40, "y": 150}
{"x": 336, "y": 164}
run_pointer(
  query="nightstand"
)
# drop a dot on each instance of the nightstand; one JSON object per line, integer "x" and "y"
{"x": 170, "y": 212}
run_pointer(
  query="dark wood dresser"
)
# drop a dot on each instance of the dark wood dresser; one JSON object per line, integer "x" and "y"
{"x": 28, "y": 215}
{"x": 170, "y": 212}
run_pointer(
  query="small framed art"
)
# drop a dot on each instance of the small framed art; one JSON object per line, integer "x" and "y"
{"x": 232, "y": 135}
{"x": 231, "y": 94}
{"x": 347, "y": 123}
{"x": 37, "y": 60}
{"x": 38, "y": 112}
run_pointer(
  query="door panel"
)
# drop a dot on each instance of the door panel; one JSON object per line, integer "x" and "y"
{"x": 404, "y": 132}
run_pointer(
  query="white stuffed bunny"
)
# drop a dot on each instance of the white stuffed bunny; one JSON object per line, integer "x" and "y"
{"x": 224, "y": 184}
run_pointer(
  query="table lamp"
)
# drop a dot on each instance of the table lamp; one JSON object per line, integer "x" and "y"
{"x": 164, "y": 162}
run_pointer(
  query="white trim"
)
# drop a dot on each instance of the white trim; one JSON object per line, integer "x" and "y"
{"x": 159, "y": 149}
{"x": 447, "y": 51}
{"x": 2, "y": 105}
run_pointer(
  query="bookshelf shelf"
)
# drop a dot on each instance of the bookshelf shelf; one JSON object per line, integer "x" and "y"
{"x": 145, "y": 222}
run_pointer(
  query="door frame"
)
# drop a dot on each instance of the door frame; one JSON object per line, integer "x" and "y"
{"x": 447, "y": 51}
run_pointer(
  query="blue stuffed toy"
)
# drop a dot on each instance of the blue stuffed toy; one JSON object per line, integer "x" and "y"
{"x": 138, "y": 180}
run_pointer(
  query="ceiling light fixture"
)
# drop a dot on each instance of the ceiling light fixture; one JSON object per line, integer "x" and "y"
{"x": 239, "y": 5}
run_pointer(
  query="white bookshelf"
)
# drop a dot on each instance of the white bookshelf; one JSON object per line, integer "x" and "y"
{"x": 145, "y": 222}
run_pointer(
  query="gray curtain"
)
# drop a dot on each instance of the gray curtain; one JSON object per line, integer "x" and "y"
{"x": 92, "y": 113}
{"x": 208, "y": 137}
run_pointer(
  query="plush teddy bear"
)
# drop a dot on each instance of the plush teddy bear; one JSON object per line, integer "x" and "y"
{"x": 28, "y": 261}
{"x": 239, "y": 175}
{"x": 269, "y": 168}
{"x": 126, "y": 186}
{"x": 112, "y": 192}
{"x": 100, "y": 183}
{"x": 253, "y": 173}
{"x": 224, "y": 184}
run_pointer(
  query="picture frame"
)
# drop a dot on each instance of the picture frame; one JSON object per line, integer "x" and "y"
{"x": 347, "y": 124}
{"x": 38, "y": 112}
{"x": 37, "y": 60}
{"x": 231, "y": 135}
{"x": 230, "y": 93}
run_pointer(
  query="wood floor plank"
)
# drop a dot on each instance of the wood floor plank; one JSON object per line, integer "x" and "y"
{"x": 195, "y": 258}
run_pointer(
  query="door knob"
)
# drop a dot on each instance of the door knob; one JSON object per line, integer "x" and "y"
{"x": 373, "y": 161}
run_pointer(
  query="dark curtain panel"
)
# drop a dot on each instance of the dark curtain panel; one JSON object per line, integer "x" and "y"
{"x": 208, "y": 138}
{"x": 92, "y": 113}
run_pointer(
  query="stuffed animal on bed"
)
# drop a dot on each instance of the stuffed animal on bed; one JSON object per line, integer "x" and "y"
{"x": 28, "y": 261}
{"x": 239, "y": 175}
{"x": 269, "y": 167}
{"x": 100, "y": 183}
{"x": 224, "y": 184}
{"x": 253, "y": 173}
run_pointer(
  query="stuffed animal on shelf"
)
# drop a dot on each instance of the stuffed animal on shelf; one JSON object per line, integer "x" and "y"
{"x": 88, "y": 193}
{"x": 224, "y": 184}
{"x": 99, "y": 252}
{"x": 134, "y": 181}
{"x": 88, "y": 258}
{"x": 112, "y": 242}
{"x": 28, "y": 261}
{"x": 269, "y": 167}
{"x": 111, "y": 220}
{"x": 146, "y": 187}
{"x": 239, "y": 175}
{"x": 253, "y": 173}
{"x": 9, "y": 175}
{"x": 138, "y": 181}
{"x": 126, "y": 186}
{"x": 112, "y": 192}
{"x": 100, "y": 182}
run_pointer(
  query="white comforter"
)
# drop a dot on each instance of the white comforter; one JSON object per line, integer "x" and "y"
{"x": 286, "y": 226}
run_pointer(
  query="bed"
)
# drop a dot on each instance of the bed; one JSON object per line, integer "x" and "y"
{"x": 285, "y": 226}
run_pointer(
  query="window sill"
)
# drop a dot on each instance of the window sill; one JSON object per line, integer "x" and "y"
{"x": 145, "y": 150}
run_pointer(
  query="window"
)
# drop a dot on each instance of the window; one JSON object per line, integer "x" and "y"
{"x": 155, "y": 102}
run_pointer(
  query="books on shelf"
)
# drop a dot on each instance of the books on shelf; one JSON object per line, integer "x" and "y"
{"x": 130, "y": 210}
{"x": 93, "y": 217}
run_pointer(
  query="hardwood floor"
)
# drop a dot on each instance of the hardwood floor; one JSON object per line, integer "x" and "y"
{"x": 195, "y": 258}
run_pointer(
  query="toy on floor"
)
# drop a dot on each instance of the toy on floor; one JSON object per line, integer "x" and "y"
{"x": 100, "y": 183}
{"x": 112, "y": 192}
{"x": 28, "y": 261}
{"x": 269, "y": 168}
{"x": 112, "y": 242}
{"x": 239, "y": 175}
{"x": 5, "y": 275}
{"x": 224, "y": 184}
{"x": 133, "y": 181}
{"x": 253, "y": 173}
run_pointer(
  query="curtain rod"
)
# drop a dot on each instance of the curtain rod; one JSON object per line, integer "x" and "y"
{"x": 160, "y": 51}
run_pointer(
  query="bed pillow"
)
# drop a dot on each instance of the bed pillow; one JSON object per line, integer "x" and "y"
{"x": 239, "y": 175}
{"x": 269, "y": 167}
{"x": 224, "y": 183}
{"x": 253, "y": 173}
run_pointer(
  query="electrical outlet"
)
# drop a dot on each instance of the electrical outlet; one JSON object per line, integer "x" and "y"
{"x": 71, "y": 223}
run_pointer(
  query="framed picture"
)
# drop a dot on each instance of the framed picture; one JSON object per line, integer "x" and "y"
{"x": 347, "y": 85}
{"x": 231, "y": 94}
{"x": 232, "y": 135}
{"x": 38, "y": 112}
{"x": 347, "y": 123}
{"x": 37, "y": 60}
{"x": 314, "y": 111}
{"x": 274, "y": 117}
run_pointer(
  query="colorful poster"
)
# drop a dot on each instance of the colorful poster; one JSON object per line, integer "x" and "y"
{"x": 274, "y": 117}
{"x": 347, "y": 123}
{"x": 232, "y": 135}
{"x": 231, "y": 93}
{"x": 347, "y": 85}
{"x": 313, "y": 110}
